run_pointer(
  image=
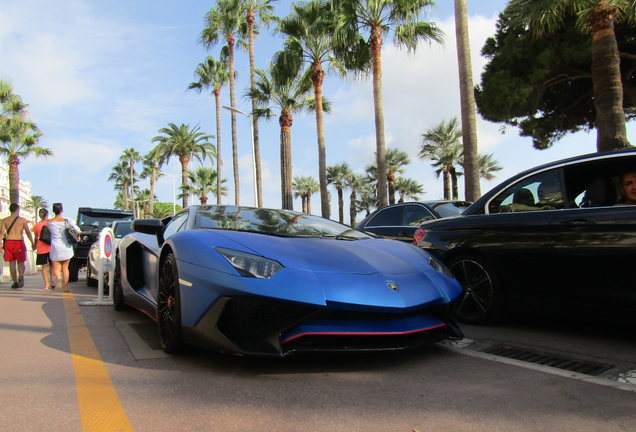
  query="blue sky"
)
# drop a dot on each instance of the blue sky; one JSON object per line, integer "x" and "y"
{"x": 103, "y": 76}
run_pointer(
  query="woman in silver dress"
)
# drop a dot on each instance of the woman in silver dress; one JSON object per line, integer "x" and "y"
{"x": 61, "y": 249}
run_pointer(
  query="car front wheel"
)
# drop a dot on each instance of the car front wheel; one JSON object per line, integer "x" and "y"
{"x": 482, "y": 299}
{"x": 169, "y": 306}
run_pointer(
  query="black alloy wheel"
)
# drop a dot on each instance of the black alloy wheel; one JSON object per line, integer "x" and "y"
{"x": 169, "y": 306}
{"x": 482, "y": 299}
{"x": 118, "y": 295}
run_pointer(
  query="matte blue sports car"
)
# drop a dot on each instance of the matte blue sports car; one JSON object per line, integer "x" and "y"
{"x": 274, "y": 282}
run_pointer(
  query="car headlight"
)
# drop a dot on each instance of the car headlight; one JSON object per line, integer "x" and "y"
{"x": 249, "y": 265}
{"x": 439, "y": 266}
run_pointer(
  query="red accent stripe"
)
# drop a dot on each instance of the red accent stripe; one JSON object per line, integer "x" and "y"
{"x": 360, "y": 333}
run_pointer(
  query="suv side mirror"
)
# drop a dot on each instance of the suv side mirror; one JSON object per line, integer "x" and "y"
{"x": 149, "y": 226}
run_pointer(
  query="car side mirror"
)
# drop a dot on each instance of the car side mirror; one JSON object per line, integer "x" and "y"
{"x": 149, "y": 226}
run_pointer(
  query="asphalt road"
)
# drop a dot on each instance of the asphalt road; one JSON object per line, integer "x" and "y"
{"x": 67, "y": 367}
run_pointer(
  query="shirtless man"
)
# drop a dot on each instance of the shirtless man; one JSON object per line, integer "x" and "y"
{"x": 628, "y": 188}
{"x": 14, "y": 248}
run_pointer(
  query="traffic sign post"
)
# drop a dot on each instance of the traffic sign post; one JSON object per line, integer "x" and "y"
{"x": 105, "y": 265}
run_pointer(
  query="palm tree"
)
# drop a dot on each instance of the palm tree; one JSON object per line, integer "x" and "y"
{"x": 309, "y": 30}
{"x": 467, "y": 103}
{"x": 488, "y": 166}
{"x": 394, "y": 164}
{"x": 121, "y": 176}
{"x": 378, "y": 17}
{"x": 337, "y": 175}
{"x": 130, "y": 156}
{"x": 18, "y": 136}
{"x": 185, "y": 144}
{"x": 356, "y": 183}
{"x": 408, "y": 188}
{"x": 442, "y": 145}
{"x": 288, "y": 96}
{"x": 36, "y": 203}
{"x": 305, "y": 186}
{"x": 141, "y": 197}
{"x": 151, "y": 171}
{"x": 213, "y": 74}
{"x": 225, "y": 22}
{"x": 202, "y": 182}
{"x": 598, "y": 18}
{"x": 263, "y": 9}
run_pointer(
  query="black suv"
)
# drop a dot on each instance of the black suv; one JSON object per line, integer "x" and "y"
{"x": 91, "y": 221}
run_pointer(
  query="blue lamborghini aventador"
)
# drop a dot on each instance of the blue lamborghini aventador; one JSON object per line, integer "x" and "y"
{"x": 275, "y": 282}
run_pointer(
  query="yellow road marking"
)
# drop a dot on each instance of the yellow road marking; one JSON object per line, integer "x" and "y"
{"x": 99, "y": 405}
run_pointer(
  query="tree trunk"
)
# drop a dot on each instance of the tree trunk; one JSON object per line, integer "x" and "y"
{"x": 467, "y": 92}
{"x": 447, "y": 184}
{"x": 453, "y": 176}
{"x": 255, "y": 141}
{"x": 285, "y": 122}
{"x": 340, "y": 205}
{"x": 204, "y": 199}
{"x": 14, "y": 180}
{"x": 153, "y": 180}
{"x": 317, "y": 77}
{"x": 376, "y": 55}
{"x": 185, "y": 160}
{"x": 390, "y": 179}
{"x": 235, "y": 161}
{"x": 219, "y": 160}
{"x": 352, "y": 208}
{"x": 606, "y": 81}
{"x": 132, "y": 188}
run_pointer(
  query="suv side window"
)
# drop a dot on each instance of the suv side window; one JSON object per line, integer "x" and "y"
{"x": 541, "y": 191}
{"x": 415, "y": 214}
{"x": 175, "y": 224}
{"x": 391, "y": 216}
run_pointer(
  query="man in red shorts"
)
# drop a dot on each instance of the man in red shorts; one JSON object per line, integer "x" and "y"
{"x": 12, "y": 230}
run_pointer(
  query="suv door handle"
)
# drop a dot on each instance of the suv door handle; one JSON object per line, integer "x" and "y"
{"x": 578, "y": 222}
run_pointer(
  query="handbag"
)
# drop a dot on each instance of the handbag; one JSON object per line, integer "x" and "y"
{"x": 71, "y": 235}
{"x": 45, "y": 235}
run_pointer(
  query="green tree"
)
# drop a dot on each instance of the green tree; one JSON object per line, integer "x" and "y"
{"x": 309, "y": 33}
{"x": 278, "y": 92}
{"x": 19, "y": 136}
{"x": 305, "y": 187}
{"x": 337, "y": 175}
{"x": 356, "y": 183}
{"x": 185, "y": 143}
{"x": 598, "y": 19}
{"x": 378, "y": 18}
{"x": 130, "y": 156}
{"x": 121, "y": 176}
{"x": 488, "y": 166}
{"x": 441, "y": 144}
{"x": 224, "y": 22}
{"x": 395, "y": 161}
{"x": 36, "y": 203}
{"x": 202, "y": 182}
{"x": 408, "y": 189}
{"x": 467, "y": 92}
{"x": 213, "y": 74}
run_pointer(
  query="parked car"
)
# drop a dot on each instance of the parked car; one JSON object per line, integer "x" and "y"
{"x": 120, "y": 229}
{"x": 275, "y": 282}
{"x": 399, "y": 221}
{"x": 549, "y": 236}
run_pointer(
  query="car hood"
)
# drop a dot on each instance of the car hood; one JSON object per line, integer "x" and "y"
{"x": 365, "y": 256}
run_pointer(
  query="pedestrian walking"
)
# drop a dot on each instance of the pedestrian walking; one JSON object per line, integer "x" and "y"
{"x": 61, "y": 248}
{"x": 12, "y": 230}
{"x": 42, "y": 249}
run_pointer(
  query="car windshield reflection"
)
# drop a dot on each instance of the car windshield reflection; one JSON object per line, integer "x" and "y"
{"x": 273, "y": 222}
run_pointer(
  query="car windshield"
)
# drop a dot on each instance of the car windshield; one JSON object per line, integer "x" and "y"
{"x": 273, "y": 222}
{"x": 451, "y": 208}
{"x": 122, "y": 229}
{"x": 99, "y": 220}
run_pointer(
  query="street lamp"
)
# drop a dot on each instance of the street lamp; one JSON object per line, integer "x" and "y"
{"x": 251, "y": 117}
{"x": 174, "y": 190}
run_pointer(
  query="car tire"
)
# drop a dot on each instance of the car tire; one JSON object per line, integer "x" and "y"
{"x": 118, "y": 294}
{"x": 482, "y": 299}
{"x": 89, "y": 280}
{"x": 73, "y": 270}
{"x": 169, "y": 306}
